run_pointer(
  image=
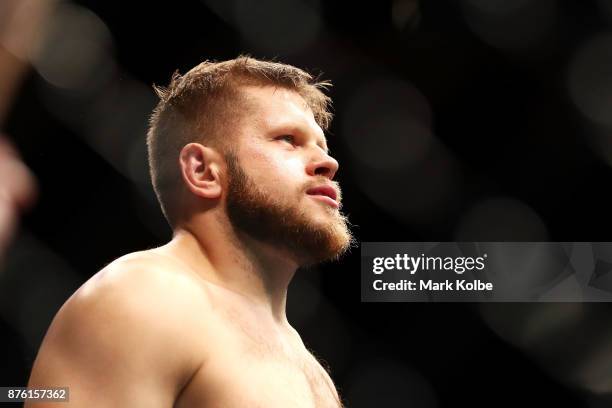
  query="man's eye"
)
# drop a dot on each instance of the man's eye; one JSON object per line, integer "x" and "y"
{"x": 287, "y": 138}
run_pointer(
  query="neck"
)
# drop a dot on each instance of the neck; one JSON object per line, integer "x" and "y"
{"x": 256, "y": 271}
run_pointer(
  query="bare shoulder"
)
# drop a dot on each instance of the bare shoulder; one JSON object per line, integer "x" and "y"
{"x": 137, "y": 318}
{"x": 139, "y": 293}
{"x": 146, "y": 277}
{"x": 142, "y": 286}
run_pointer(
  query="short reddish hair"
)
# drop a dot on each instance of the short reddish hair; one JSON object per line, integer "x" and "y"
{"x": 201, "y": 106}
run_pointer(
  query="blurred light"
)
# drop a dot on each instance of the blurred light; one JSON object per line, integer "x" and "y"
{"x": 405, "y": 13}
{"x": 594, "y": 372}
{"x": 21, "y": 26}
{"x": 530, "y": 325}
{"x": 501, "y": 219}
{"x": 512, "y": 25}
{"x": 119, "y": 118}
{"x": 548, "y": 319}
{"x": 89, "y": 93}
{"x": 22, "y": 23}
{"x": 386, "y": 383}
{"x": 569, "y": 289}
{"x": 419, "y": 195}
{"x": 106, "y": 107}
{"x": 555, "y": 333}
{"x": 589, "y": 79}
{"x": 395, "y": 158}
{"x": 525, "y": 276}
{"x": 112, "y": 122}
{"x": 387, "y": 124}
{"x": 76, "y": 51}
{"x": 510, "y": 220}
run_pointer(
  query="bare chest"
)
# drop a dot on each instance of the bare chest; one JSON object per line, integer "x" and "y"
{"x": 248, "y": 371}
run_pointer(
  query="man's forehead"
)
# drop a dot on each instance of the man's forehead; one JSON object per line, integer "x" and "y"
{"x": 277, "y": 106}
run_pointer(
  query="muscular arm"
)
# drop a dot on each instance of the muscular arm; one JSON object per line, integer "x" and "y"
{"x": 121, "y": 341}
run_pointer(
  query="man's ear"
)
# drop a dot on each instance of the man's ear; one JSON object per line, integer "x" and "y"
{"x": 200, "y": 168}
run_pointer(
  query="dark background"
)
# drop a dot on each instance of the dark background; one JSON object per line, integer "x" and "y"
{"x": 454, "y": 120}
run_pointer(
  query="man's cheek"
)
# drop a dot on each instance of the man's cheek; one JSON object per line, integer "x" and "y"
{"x": 295, "y": 168}
{"x": 279, "y": 172}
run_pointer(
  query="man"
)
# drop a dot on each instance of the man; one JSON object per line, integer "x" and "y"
{"x": 240, "y": 165}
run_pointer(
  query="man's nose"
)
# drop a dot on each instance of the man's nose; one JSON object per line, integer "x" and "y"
{"x": 325, "y": 166}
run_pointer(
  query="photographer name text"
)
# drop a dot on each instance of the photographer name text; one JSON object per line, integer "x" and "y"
{"x": 430, "y": 264}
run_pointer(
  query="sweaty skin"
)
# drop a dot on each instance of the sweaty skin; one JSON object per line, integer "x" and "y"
{"x": 200, "y": 321}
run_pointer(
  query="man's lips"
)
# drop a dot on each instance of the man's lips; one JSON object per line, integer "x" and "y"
{"x": 325, "y": 193}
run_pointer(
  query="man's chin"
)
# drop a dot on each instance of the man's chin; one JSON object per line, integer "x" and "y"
{"x": 326, "y": 241}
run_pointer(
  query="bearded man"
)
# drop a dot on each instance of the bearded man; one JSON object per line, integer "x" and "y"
{"x": 241, "y": 168}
